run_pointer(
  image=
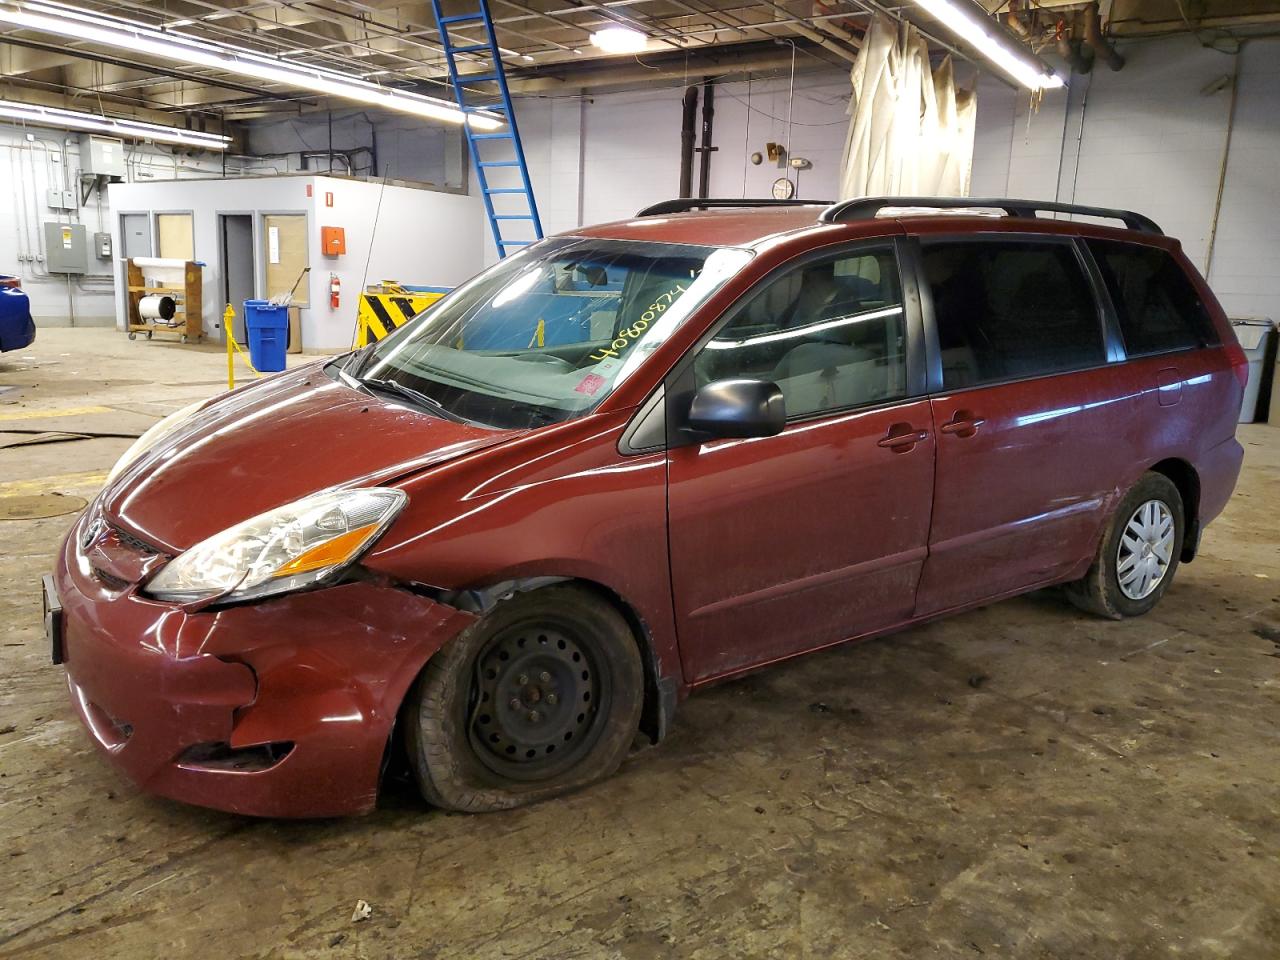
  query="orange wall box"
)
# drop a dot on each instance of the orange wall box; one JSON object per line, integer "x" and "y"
{"x": 333, "y": 241}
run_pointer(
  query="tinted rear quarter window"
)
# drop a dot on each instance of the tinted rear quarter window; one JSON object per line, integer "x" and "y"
{"x": 1010, "y": 309}
{"x": 1155, "y": 301}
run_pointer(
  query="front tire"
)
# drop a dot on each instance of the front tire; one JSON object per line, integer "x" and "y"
{"x": 541, "y": 696}
{"x": 1139, "y": 552}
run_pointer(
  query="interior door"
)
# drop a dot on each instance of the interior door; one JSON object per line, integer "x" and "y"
{"x": 236, "y": 244}
{"x": 787, "y": 543}
{"x": 176, "y": 235}
{"x": 135, "y": 235}
{"x": 1032, "y": 422}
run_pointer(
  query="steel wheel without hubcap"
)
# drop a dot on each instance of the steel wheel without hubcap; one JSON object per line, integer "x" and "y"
{"x": 541, "y": 695}
{"x": 1145, "y": 550}
{"x": 535, "y": 700}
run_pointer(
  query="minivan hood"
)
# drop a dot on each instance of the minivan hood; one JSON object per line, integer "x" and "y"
{"x": 271, "y": 444}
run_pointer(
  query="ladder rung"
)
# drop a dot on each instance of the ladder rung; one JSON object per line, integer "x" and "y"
{"x": 515, "y": 243}
{"x": 505, "y": 190}
{"x": 480, "y": 78}
{"x": 498, "y": 163}
{"x": 512, "y": 216}
{"x": 469, "y": 48}
{"x": 492, "y": 136}
{"x": 484, "y": 108}
{"x": 463, "y": 17}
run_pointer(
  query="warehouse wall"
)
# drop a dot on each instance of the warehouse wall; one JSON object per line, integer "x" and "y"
{"x": 51, "y": 158}
{"x": 603, "y": 157}
{"x": 392, "y": 233}
{"x": 398, "y": 147}
{"x": 421, "y": 236}
{"x": 1146, "y": 137}
{"x": 1152, "y": 138}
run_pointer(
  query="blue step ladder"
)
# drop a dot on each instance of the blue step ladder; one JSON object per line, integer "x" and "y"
{"x": 508, "y": 200}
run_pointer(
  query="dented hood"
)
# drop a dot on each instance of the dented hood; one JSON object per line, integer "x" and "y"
{"x": 273, "y": 443}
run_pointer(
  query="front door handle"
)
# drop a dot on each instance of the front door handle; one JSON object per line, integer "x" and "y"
{"x": 963, "y": 424}
{"x": 902, "y": 437}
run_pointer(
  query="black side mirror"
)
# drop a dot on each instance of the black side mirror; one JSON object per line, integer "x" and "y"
{"x": 738, "y": 408}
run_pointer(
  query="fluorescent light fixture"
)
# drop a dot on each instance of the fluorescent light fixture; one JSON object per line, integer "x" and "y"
{"x": 987, "y": 39}
{"x": 117, "y": 126}
{"x": 171, "y": 47}
{"x": 619, "y": 40}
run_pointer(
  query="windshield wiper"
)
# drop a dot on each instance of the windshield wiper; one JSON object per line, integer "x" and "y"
{"x": 414, "y": 396}
{"x": 352, "y": 382}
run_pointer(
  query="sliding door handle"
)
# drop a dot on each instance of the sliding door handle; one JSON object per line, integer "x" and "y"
{"x": 963, "y": 424}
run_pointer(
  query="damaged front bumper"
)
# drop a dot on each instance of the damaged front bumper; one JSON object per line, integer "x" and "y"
{"x": 282, "y": 708}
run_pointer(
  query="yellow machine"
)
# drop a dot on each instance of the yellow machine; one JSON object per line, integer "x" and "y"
{"x": 389, "y": 304}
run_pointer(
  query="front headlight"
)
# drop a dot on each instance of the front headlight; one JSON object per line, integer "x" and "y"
{"x": 281, "y": 550}
{"x": 154, "y": 435}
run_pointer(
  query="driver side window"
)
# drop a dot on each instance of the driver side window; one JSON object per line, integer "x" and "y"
{"x": 830, "y": 333}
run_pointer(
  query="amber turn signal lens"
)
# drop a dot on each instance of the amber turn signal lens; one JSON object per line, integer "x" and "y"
{"x": 329, "y": 553}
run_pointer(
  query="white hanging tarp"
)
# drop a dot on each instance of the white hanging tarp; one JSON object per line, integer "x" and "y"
{"x": 910, "y": 129}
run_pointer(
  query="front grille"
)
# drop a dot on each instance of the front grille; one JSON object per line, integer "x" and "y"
{"x": 133, "y": 543}
{"x": 112, "y": 581}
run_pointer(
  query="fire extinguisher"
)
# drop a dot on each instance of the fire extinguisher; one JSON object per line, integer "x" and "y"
{"x": 335, "y": 291}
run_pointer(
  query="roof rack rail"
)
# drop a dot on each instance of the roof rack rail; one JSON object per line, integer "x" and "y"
{"x": 864, "y": 208}
{"x": 685, "y": 204}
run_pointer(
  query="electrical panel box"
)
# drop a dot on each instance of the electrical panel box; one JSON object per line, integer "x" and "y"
{"x": 60, "y": 199}
{"x": 102, "y": 246}
{"x": 333, "y": 241}
{"x": 101, "y": 156}
{"x": 64, "y": 247}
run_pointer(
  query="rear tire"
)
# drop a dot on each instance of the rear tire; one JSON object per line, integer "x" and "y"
{"x": 541, "y": 696}
{"x": 1138, "y": 555}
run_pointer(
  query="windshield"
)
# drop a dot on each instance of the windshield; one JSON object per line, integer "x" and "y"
{"x": 547, "y": 334}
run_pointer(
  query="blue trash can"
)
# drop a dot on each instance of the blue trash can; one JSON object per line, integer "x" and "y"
{"x": 267, "y": 328}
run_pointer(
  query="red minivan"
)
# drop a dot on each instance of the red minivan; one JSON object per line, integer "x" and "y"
{"x": 632, "y": 461}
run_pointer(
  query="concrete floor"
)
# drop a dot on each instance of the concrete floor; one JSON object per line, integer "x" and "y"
{"x": 1021, "y": 781}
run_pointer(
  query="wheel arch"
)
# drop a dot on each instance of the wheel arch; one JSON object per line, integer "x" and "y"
{"x": 659, "y": 703}
{"x": 1184, "y": 476}
{"x": 660, "y": 692}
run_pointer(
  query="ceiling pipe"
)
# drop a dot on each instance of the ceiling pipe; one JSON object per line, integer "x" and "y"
{"x": 824, "y": 40}
{"x": 705, "y": 149}
{"x": 1013, "y": 19}
{"x": 828, "y": 25}
{"x": 602, "y": 75}
{"x": 689, "y": 118}
{"x": 1102, "y": 49}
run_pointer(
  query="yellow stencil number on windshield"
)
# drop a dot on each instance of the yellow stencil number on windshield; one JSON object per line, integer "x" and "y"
{"x": 628, "y": 335}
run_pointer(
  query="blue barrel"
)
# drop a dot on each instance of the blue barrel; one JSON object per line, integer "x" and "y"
{"x": 267, "y": 328}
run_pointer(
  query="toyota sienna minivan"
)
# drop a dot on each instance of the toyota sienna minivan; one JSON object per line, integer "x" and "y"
{"x": 632, "y": 461}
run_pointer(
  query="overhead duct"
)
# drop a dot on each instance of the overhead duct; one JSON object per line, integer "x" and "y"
{"x": 689, "y": 120}
{"x": 705, "y": 149}
{"x": 673, "y": 71}
{"x": 1101, "y": 47}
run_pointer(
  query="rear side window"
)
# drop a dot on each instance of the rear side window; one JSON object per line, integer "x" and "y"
{"x": 1010, "y": 309}
{"x": 1156, "y": 303}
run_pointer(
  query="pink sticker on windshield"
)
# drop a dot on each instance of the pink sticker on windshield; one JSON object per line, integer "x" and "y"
{"x": 590, "y": 384}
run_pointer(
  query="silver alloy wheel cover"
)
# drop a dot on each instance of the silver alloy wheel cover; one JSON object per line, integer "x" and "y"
{"x": 1146, "y": 550}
